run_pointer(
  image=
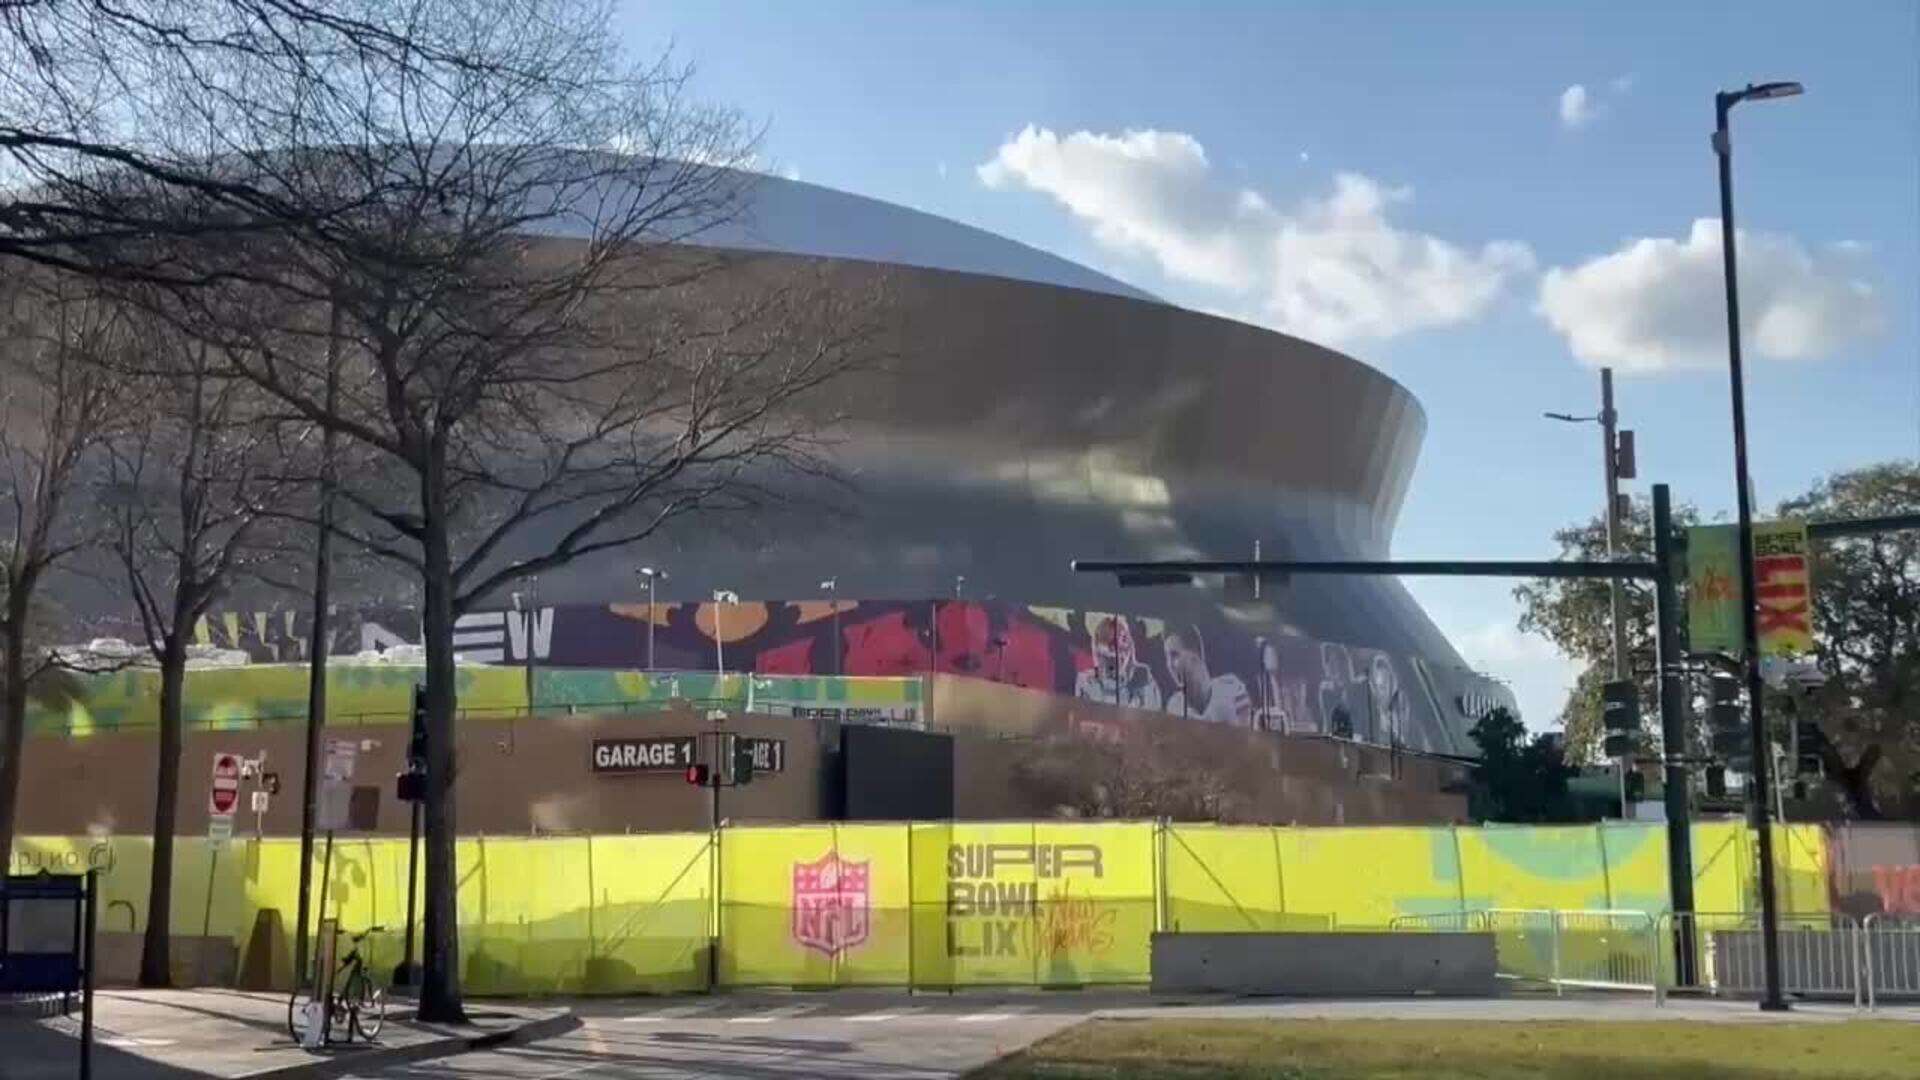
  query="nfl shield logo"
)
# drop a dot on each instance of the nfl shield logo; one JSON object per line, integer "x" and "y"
{"x": 830, "y": 904}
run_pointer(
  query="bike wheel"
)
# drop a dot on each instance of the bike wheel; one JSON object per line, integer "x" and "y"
{"x": 369, "y": 1008}
{"x": 295, "y": 1005}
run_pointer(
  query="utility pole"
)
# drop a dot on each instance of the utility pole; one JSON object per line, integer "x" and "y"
{"x": 1616, "y": 464}
{"x": 1610, "y": 456}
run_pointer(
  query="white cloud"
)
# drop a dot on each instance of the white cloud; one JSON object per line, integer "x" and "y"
{"x": 791, "y": 172}
{"x": 1304, "y": 158}
{"x": 941, "y": 168}
{"x": 1576, "y": 108}
{"x": 1331, "y": 268}
{"x": 1621, "y": 83}
{"x": 1658, "y": 303}
{"x": 1539, "y": 675}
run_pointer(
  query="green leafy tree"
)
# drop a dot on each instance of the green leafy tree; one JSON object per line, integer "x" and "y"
{"x": 1867, "y": 626}
{"x": 1574, "y": 614}
{"x": 1520, "y": 779}
{"x": 1866, "y": 630}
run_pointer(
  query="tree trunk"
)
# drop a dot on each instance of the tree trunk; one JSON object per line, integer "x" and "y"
{"x": 440, "y": 954}
{"x": 1855, "y": 781}
{"x": 13, "y": 727}
{"x": 156, "y": 967}
{"x": 318, "y": 641}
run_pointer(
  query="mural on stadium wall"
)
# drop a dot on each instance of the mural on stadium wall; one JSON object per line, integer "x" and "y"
{"x": 1873, "y": 868}
{"x": 1210, "y": 673}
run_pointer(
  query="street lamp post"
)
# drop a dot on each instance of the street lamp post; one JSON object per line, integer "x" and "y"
{"x": 720, "y": 596}
{"x": 532, "y": 613}
{"x": 831, "y": 587}
{"x": 652, "y": 576}
{"x": 1723, "y": 103}
{"x": 1614, "y": 468}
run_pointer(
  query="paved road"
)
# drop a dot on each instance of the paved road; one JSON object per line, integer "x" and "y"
{"x": 893, "y": 1036}
{"x": 884, "y": 1036}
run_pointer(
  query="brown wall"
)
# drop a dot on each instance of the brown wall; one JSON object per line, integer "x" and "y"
{"x": 1263, "y": 777}
{"x": 515, "y": 777}
{"x": 523, "y": 776}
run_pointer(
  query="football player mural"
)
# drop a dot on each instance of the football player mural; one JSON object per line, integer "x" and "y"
{"x": 1116, "y": 676}
{"x": 1210, "y": 672}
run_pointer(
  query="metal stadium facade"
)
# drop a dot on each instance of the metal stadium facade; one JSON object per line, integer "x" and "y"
{"x": 1034, "y": 412}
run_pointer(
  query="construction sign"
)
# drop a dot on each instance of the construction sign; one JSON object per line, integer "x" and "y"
{"x": 1783, "y": 584}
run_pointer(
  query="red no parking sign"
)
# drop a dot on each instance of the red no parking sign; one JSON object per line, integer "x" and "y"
{"x": 223, "y": 794}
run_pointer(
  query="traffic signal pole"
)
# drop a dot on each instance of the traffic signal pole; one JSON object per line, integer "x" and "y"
{"x": 1671, "y": 680}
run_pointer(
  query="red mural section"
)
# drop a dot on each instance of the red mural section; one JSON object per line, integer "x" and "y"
{"x": 1874, "y": 869}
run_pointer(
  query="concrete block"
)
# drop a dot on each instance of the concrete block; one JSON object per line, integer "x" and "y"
{"x": 1355, "y": 964}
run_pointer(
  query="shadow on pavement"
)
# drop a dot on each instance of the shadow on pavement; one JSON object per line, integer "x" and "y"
{"x": 671, "y": 1054}
{"x": 275, "y": 1025}
{"x": 757, "y": 1042}
{"x": 32, "y": 1051}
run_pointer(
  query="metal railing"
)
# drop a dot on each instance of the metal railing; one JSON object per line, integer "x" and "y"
{"x": 1890, "y": 957}
{"x": 1820, "y": 954}
{"x": 1600, "y": 949}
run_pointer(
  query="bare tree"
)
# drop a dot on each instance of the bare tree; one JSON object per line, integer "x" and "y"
{"x": 98, "y": 156}
{"x": 540, "y": 366}
{"x": 187, "y": 489}
{"x": 55, "y": 406}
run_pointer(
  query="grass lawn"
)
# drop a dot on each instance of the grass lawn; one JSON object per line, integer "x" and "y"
{"x": 1494, "y": 1050}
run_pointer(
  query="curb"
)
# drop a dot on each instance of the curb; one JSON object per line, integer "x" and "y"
{"x": 545, "y": 1027}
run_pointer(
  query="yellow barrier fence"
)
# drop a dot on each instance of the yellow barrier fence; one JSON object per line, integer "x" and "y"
{"x": 929, "y": 904}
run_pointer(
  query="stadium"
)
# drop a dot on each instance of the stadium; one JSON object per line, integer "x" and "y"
{"x": 1039, "y": 412}
{"x": 1033, "y": 412}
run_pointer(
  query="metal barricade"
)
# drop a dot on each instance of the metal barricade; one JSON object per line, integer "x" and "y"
{"x": 1820, "y": 954}
{"x": 1608, "y": 950}
{"x": 1441, "y": 922}
{"x": 1601, "y": 949}
{"x": 1890, "y": 953}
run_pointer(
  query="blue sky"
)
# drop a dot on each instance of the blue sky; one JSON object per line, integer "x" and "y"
{"x": 1497, "y": 235}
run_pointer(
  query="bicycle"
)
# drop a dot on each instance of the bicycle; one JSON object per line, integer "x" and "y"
{"x": 358, "y": 1005}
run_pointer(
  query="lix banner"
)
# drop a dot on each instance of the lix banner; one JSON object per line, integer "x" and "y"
{"x": 1783, "y": 588}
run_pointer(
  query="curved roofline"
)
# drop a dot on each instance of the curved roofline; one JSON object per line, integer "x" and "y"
{"x": 798, "y": 218}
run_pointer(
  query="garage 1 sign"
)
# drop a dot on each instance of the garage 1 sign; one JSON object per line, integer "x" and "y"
{"x": 665, "y": 753}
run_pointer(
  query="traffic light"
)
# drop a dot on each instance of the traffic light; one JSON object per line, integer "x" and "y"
{"x": 411, "y": 785}
{"x": 1728, "y": 719}
{"x": 1620, "y": 709}
{"x": 697, "y": 775}
{"x": 742, "y": 760}
{"x": 417, "y": 741}
{"x": 1807, "y": 741}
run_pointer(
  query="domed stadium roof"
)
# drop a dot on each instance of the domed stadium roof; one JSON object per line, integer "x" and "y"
{"x": 798, "y": 218}
{"x": 790, "y": 217}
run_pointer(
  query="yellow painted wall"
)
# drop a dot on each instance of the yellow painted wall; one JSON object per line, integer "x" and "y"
{"x": 933, "y": 904}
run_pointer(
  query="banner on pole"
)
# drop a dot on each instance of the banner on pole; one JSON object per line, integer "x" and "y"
{"x": 1783, "y": 588}
{"x": 1783, "y": 584}
{"x": 1713, "y": 589}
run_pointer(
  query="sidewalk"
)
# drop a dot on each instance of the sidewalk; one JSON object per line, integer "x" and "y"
{"x": 176, "y": 1034}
